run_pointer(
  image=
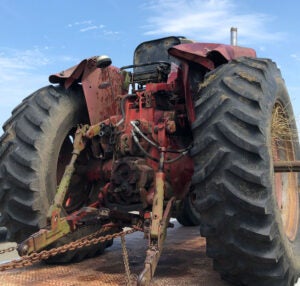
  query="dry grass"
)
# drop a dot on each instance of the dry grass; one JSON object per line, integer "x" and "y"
{"x": 282, "y": 131}
{"x": 206, "y": 82}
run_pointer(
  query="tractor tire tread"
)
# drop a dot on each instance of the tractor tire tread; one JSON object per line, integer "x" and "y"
{"x": 232, "y": 174}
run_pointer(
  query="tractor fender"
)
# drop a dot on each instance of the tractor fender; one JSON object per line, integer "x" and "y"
{"x": 102, "y": 87}
{"x": 208, "y": 55}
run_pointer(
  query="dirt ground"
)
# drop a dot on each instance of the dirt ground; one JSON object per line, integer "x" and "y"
{"x": 183, "y": 262}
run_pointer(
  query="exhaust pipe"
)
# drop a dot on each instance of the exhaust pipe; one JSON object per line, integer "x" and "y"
{"x": 233, "y": 36}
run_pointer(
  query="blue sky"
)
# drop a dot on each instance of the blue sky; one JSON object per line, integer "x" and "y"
{"x": 43, "y": 37}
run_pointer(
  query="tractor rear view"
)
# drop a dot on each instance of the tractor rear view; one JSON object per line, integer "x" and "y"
{"x": 204, "y": 133}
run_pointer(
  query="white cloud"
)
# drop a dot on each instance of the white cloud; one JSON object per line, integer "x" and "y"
{"x": 262, "y": 48}
{"x": 85, "y": 26}
{"x": 207, "y": 20}
{"x": 86, "y": 22}
{"x": 295, "y": 57}
{"x": 88, "y": 28}
{"x": 18, "y": 69}
{"x": 11, "y": 59}
{"x": 19, "y": 77}
{"x": 81, "y": 23}
{"x": 88, "y": 25}
{"x": 110, "y": 33}
{"x": 94, "y": 27}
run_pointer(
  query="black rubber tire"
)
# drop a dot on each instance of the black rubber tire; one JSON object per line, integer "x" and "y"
{"x": 82, "y": 253}
{"x": 29, "y": 154}
{"x": 234, "y": 177}
{"x": 187, "y": 214}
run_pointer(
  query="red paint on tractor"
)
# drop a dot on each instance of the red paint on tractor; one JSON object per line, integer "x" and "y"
{"x": 206, "y": 54}
{"x": 70, "y": 75}
{"x": 102, "y": 87}
{"x": 103, "y": 90}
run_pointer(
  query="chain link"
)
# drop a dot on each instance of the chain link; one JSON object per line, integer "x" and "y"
{"x": 125, "y": 260}
{"x": 88, "y": 240}
{"x": 10, "y": 249}
{"x": 131, "y": 279}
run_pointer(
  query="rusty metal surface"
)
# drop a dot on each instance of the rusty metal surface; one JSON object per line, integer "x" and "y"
{"x": 102, "y": 90}
{"x": 69, "y": 75}
{"x": 183, "y": 262}
{"x": 200, "y": 52}
{"x": 287, "y": 166}
{"x": 102, "y": 87}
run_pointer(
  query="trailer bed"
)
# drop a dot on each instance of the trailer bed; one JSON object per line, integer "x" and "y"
{"x": 183, "y": 262}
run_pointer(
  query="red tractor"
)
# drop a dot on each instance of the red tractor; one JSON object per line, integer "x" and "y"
{"x": 201, "y": 132}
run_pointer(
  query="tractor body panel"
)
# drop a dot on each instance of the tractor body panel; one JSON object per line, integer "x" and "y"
{"x": 102, "y": 87}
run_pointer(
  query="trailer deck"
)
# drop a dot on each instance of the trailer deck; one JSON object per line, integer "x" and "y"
{"x": 183, "y": 262}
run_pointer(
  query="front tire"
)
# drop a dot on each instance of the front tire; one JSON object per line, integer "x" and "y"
{"x": 249, "y": 215}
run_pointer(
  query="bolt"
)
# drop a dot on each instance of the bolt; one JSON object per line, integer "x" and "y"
{"x": 24, "y": 250}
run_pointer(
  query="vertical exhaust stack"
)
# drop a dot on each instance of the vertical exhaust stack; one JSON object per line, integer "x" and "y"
{"x": 233, "y": 36}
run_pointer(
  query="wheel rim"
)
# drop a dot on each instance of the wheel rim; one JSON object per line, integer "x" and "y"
{"x": 286, "y": 184}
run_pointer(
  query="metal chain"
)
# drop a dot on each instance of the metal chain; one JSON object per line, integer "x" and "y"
{"x": 10, "y": 249}
{"x": 125, "y": 260}
{"x": 131, "y": 279}
{"x": 98, "y": 232}
{"x": 45, "y": 254}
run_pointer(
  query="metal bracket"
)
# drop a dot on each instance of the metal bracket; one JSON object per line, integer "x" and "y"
{"x": 44, "y": 237}
{"x": 78, "y": 146}
{"x": 155, "y": 247}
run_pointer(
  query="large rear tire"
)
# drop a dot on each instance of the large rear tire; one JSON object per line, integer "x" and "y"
{"x": 35, "y": 148}
{"x": 249, "y": 214}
